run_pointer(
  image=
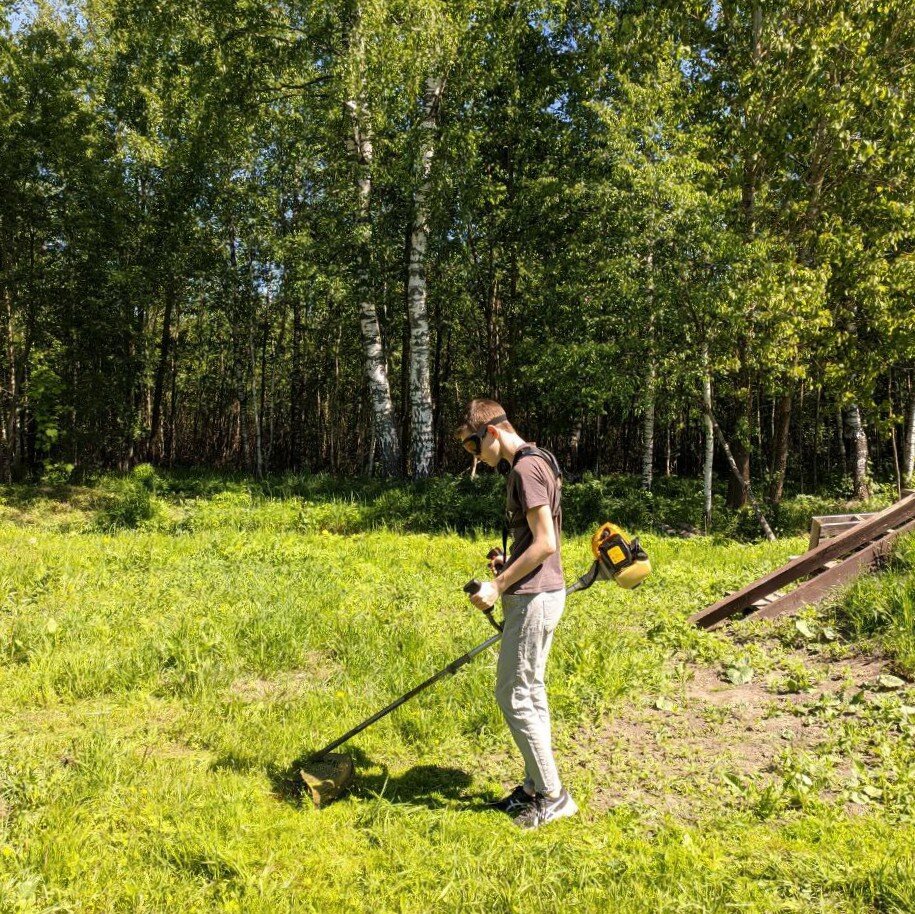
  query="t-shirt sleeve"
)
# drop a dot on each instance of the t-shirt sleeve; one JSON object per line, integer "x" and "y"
{"x": 534, "y": 486}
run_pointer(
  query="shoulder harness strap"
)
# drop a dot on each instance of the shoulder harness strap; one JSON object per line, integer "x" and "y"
{"x": 549, "y": 459}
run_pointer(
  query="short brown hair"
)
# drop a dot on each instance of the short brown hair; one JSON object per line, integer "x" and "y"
{"x": 478, "y": 412}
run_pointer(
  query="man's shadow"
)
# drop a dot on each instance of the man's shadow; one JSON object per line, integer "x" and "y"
{"x": 432, "y": 786}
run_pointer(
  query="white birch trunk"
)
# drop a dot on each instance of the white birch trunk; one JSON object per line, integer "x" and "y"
{"x": 649, "y": 391}
{"x": 908, "y": 451}
{"x": 10, "y": 430}
{"x": 255, "y": 406}
{"x": 709, "y": 443}
{"x": 859, "y": 465}
{"x": 376, "y": 368}
{"x": 648, "y": 429}
{"x": 421, "y": 435}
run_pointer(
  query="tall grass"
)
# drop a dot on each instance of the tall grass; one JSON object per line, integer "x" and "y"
{"x": 881, "y": 608}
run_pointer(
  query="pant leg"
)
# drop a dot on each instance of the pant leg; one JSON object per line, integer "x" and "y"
{"x": 554, "y": 604}
{"x": 530, "y": 621}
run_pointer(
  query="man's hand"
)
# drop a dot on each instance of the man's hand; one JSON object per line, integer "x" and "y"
{"x": 485, "y": 598}
{"x": 496, "y": 560}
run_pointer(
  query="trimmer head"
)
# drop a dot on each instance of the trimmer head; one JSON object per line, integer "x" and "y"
{"x": 328, "y": 776}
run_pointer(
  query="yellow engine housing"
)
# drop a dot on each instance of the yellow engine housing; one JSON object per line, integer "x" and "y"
{"x": 622, "y": 558}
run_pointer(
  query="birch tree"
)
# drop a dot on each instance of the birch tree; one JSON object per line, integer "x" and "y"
{"x": 421, "y": 440}
{"x": 908, "y": 453}
{"x": 854, "y": 431}
{"x": 709, "y": 457}
{"x": 359, "y": 144}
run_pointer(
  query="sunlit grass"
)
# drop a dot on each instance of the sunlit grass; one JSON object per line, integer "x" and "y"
{"x": 157, "y": 683}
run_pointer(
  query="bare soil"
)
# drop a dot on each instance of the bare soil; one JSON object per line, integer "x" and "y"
{"x": 678, "y": 759}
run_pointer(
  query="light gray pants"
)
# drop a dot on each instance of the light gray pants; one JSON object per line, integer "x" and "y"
{"x": 530, "y": 620}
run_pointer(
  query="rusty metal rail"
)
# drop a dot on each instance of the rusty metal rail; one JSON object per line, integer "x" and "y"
{"x": 832, "y": 563}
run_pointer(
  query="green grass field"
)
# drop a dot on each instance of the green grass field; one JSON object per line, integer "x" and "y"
{"x": 163, "y": 663}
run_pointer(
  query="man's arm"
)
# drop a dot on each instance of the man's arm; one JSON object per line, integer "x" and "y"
{"x": 540, "y": 520}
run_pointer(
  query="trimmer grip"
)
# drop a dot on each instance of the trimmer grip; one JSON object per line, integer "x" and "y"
{"x": 473, "y": 586}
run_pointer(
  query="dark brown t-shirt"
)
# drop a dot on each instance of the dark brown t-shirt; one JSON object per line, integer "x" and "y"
{"x": 530, "y": 485}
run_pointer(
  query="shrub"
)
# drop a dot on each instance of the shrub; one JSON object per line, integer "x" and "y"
{"x": 144, "y": 474}
{"x": 126, "y": 503}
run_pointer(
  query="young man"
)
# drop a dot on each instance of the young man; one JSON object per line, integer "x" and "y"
{"x": 530, "y": 583}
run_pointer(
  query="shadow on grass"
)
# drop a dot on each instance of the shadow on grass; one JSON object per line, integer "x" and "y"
{"x": 23, "y": 496}
{"x": 432, "y": 786}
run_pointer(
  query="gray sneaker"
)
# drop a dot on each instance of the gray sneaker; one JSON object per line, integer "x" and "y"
{"x": 544, "y": 810}
{"x": 517, "y": 800}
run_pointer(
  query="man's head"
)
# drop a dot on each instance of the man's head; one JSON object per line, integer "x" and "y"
{"x": 485, "y": 431}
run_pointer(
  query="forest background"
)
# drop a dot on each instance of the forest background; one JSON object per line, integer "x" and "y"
{"x": 278, "y": 236}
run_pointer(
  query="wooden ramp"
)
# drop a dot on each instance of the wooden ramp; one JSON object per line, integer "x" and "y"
{"x": 856, "y": 548}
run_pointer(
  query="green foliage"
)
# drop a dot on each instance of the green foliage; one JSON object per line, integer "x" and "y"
{"x": 144, "y": 475}
{"x": 126, "y": 502}
{"x": 614, "y": 192}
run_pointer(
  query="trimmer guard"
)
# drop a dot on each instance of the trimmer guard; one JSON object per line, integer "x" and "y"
{"x": 327, "y": 777}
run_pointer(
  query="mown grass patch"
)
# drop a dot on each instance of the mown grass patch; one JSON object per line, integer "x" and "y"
{"x": 157, "y": 684}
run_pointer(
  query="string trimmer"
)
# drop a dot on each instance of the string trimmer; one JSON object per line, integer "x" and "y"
{"x": 616, "y": 558}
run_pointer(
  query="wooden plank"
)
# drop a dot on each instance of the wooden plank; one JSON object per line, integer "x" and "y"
{"x": 833, "y": 525}
{"x": 814, "y": 534}
{"x": 814, "y": 590}
{"x": 851, "y": 515}
{"x": 829, "y": 525}
{"x": 859, "y": 535}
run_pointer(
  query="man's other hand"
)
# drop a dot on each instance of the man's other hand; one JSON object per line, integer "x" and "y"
{"x": 486, "y": 596}
{"x": 496, "y": 560}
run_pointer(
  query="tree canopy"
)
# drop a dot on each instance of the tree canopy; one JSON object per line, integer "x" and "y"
{"x": 274, "y": 235}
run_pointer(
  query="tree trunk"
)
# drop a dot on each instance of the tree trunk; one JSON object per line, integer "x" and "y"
{"x": 908, "y": 451}
{"x": 9, "y": 405}
{"x": 736, "y": 473}
{"x": 575, "y": 444}
{"x": 153, "y": 445}
{"x": 816, "y": 438}
{"x": 648, "y": 387}
{"x": 780, "y": 447}
{"x": 255, "y": 405}
{"x": 709, "y": 443}
{"x": 296, "y": 387}
{"x": 170, "y": 436}
{"x": 648, "y": 428}
{"x": 421, "y": 440}
{"x": 737, "y": 486}
{"x": 276, "y": 366}
{"x": 376, "y": 369}
{"x": 855, "y": 431}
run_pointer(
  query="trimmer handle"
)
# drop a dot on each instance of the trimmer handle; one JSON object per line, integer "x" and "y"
{"x": 473, "y": 586}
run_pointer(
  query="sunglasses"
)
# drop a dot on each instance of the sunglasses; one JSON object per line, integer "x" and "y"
{"x": 476, "y": 439}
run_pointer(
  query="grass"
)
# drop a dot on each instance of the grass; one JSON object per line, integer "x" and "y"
{"x": 880, "y": 609}
{"x": 195, "y": 499}
{"x": 165, "y": 660}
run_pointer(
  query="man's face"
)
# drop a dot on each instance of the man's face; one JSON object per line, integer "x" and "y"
{"x": 490, "y": 451}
